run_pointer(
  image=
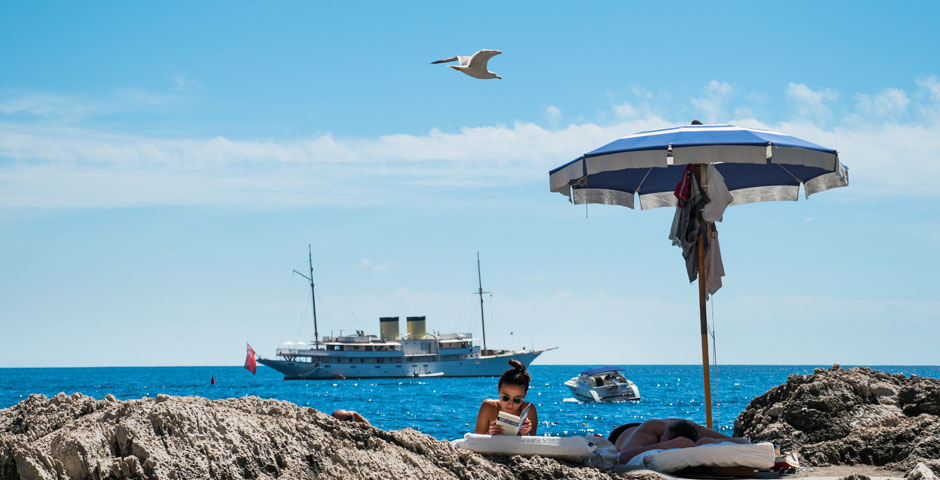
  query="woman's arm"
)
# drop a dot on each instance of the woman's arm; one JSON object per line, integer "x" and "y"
{"x": 486, "y": 418}
{"x": 707, "y": 435}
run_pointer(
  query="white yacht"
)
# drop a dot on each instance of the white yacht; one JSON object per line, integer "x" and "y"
{"x": 603, "y": 384}
{"x": 416, "y": 354}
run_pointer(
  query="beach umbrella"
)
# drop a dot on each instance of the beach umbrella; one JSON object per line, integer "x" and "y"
{"x": 728, "y": 164}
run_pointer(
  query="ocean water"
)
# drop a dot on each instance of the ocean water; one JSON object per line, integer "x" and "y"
{"x": 445, "y": 408}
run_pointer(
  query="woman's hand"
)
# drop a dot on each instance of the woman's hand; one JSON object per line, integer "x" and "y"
{"x": 526, "y": 427}
{"x": 495, "y": 428}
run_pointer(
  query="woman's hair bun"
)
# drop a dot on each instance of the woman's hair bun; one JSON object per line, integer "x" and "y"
{"x": 517, "y": 375}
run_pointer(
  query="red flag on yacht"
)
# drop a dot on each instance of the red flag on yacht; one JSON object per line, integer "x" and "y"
{"x": 250, "y": 364}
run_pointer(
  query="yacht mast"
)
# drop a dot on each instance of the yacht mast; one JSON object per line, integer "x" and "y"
{"x": 313, "y": 297}
{"x": 480, "y": 293}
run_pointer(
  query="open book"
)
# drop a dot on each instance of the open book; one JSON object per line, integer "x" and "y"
{"x": 511, "y": 423}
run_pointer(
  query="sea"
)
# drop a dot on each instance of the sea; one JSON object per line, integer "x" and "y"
{"x": 444, "y": 408}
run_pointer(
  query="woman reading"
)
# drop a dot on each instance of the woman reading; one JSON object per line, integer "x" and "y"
{"x": 512, "y": 388}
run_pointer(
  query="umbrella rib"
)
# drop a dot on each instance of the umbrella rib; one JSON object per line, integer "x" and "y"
{"x": 640, "y": 185}
{"x": 798, "y": 179}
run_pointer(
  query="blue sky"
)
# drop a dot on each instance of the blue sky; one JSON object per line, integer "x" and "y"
{"x": 164, "y": 166}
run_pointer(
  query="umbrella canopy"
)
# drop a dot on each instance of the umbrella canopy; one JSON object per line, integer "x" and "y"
{"x": 750, "y": 165}
{"x": 757, "y": 166}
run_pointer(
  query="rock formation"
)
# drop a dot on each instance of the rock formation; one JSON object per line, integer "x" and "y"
{"x": 849, "y": 417}
{"x": 832, "y": 417}
{"x": 78, "y": 437}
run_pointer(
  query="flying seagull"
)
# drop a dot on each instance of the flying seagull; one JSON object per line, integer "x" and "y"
{"x": 474, "y": 66}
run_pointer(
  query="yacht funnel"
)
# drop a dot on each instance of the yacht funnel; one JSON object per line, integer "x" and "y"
{"x": 388, "y": 328}
{"x": 416, "y": 327}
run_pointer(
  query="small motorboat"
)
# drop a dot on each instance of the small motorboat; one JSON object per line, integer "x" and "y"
{"x": 603, "y": 384}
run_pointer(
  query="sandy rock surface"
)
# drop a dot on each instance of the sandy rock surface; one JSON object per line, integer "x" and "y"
{"x": 78, "y": 437}
{"x": 850, "y": 416}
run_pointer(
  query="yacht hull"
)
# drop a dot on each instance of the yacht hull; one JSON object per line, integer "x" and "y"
{"x": 483, "y": 366}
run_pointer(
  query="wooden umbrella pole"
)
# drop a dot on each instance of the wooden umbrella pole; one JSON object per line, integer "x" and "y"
{"x": 704, "y": 323}
{"x": 702, "y": 316}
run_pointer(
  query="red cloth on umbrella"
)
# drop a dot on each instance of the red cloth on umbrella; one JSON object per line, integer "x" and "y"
{"x": 684, "y": 188}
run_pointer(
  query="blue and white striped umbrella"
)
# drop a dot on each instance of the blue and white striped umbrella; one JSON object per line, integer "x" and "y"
{"x": 757, "y": 166}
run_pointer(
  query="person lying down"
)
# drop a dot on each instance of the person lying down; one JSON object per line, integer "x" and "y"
{"x": 661, "y": 434}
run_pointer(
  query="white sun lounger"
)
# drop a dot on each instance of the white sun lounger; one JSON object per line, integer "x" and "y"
{"x": 565, "y": 448}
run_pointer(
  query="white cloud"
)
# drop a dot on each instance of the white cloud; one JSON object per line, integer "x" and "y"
{"x": 642, "y": 93}
{"x": 554, "y": 114}
{"x": 625, "y": 110}
{"x": 713, "y": 103}
{"x": 369, "y": 265}
{"x": 931, "y": 85}
{"x": 43, "y": 104}
{"x": 43, "y": 166}
{"x": 743, "y": 112}
{"x": 76, "y": 107}
{"x": 71, "y": 167}
{"x": 929, "y": 96}
{"x": 75, "y": 167}
{"x": 812, "y": 103}
{"x": 890, "y": 102}
{"x": 883, "y": 159}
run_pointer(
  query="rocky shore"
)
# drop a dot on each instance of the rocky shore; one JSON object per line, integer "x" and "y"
{"x": 78, "y": 437}
{"x": 850, "y": 417}
{"x": 832, "y": 417}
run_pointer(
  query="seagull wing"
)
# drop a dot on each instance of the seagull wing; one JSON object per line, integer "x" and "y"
{"x": 479, "y": 59}
{"x": 445, "y": 60}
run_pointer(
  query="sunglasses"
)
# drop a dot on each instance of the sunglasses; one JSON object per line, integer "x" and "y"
{"x": 505, "y": 398}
